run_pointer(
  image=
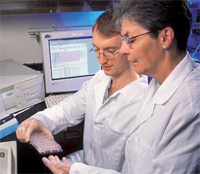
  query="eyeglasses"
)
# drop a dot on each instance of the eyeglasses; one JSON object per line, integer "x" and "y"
{"x": 130, "y": 40}
{"x": 107, "y": 54}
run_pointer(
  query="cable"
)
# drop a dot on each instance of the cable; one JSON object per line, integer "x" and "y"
{"x": 196, "y": 50}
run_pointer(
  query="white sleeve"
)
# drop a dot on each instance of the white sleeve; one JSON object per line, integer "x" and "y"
{"x": 69, "y": 112}
{"x": 80, "y": 168}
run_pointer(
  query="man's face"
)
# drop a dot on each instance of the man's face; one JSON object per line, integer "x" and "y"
{"x": 144, "y": 52}
{"x": 119, "y": 64}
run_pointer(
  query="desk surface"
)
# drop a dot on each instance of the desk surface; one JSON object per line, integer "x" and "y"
{"x": 29, "y": 160}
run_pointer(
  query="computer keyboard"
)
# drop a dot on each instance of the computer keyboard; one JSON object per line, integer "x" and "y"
{"x": 55, "y": 99}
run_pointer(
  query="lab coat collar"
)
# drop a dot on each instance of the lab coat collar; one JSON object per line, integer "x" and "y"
{"x": 132, "y": 90}
{"x": 173, "y": 81}
{"x": 160, "y": 94}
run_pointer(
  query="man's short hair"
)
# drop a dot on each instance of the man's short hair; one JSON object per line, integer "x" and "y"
{"x": 105, "y": 24}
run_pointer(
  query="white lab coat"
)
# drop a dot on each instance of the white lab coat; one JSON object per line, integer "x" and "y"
{"x": 166, "y": 136}
{"x": 106, "y": 124}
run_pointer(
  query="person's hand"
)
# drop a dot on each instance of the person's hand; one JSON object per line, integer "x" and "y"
{"x": 57, "y": 166}
{"x": 25, "y": 129}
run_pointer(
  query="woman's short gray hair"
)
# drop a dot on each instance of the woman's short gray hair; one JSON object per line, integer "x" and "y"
{"x": 155, "y": 15}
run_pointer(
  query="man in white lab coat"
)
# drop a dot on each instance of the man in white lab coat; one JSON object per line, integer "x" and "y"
{"x": 108, "y": 103}
{"x": 165, "y": 138}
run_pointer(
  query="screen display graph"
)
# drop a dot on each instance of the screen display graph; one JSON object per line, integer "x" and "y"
{"x": 69, "y": 58}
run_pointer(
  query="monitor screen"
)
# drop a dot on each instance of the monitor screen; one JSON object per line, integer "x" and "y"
{"x": 67, "y": 60}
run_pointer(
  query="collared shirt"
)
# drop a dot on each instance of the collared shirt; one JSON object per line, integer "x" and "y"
{"x": 106, "y": 95}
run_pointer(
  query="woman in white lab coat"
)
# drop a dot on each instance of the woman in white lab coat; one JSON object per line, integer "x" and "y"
{"x": 165, "y": 138}
{"x": 108, "y": 103}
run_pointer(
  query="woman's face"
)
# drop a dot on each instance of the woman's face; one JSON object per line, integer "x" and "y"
{"x": 144, "y": 52}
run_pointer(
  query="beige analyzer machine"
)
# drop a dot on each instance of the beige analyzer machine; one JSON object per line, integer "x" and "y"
{"x": 8, "y": 157}
{"x": 20, "y": 86}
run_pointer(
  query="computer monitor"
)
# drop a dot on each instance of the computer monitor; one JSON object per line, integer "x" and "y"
{"x": 67, "y": 61}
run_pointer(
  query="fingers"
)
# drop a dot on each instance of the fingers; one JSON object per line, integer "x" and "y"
{"x": 57, "y": 159}
{"x": 28, "y": 133}
{"x": 53, "y": 158}
{"x": 64, "y": 159}
{"x": 44, "y": 129}
{"x": 25, "y": 129}
{"x": 21, "y": 131}
{"x": 57, "y": 166}
{"x": 49, "y": 162}
{"x": 45, "y": 161}
{"x": 67, "y": 165}
{"x": 53, "y": 163}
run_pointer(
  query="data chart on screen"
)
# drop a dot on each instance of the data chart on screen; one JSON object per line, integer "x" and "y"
{"x": 69, "y": 58}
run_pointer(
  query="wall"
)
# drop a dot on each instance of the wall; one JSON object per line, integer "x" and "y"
{"x": 17, "y": 44}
